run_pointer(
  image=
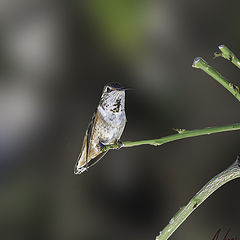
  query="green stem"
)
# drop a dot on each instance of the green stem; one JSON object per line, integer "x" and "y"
{"x": 202, "y": 64}
{"x": 182, "y": 133}
{"x": 228, "y": 54}
{"x": 227, "y": 175}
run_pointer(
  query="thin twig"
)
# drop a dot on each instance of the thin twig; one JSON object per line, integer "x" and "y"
{"x": 202, "y": 64}
{"x": 228, "y": 54}
{"x": 219, "y": 180}
{"x": 182, "y": 133}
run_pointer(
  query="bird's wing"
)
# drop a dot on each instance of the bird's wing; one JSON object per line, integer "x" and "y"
{"x": 89, "y": 136}
{"x": 85, "y": 159}
{"x": 82, "y": 160}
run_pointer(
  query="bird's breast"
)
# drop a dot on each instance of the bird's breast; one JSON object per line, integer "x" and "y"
{"x": 110, "y": 126}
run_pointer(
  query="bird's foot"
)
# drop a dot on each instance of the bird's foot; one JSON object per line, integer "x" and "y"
{"x": 101, "y": 147}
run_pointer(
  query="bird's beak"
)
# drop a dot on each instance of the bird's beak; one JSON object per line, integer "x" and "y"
{"x": 123, "y": 89}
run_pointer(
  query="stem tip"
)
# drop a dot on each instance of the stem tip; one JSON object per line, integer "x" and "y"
{"x": 221, "y": 46}
{"x": 196, "y": 60}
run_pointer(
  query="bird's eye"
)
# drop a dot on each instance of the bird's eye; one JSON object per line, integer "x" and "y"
{"x": 109, "y": 89}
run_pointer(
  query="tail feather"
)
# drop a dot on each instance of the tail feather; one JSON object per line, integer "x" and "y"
{"x": 80, "y": 168}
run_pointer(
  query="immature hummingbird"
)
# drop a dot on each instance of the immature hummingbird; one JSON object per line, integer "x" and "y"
{"x": 105, "y": 128}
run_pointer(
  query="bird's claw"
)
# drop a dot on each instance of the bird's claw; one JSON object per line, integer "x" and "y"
{"x": 101, "y": 147}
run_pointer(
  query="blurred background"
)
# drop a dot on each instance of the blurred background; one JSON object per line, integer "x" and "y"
{"x": 55, "y": 58}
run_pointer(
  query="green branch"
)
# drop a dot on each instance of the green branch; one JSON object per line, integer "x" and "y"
{"x": 228, "y": 54}
{"x": 202, "y": 64}
{"x": 182, "y": 133}
{"x": 229, "y": 174}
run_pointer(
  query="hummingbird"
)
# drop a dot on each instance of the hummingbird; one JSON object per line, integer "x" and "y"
{"x": 106, "y": 127}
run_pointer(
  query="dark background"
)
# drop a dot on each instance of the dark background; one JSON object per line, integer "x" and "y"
{"x": 55, "y": 58}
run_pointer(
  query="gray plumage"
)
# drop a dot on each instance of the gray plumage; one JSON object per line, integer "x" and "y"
{"x": 106, "y": 127}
